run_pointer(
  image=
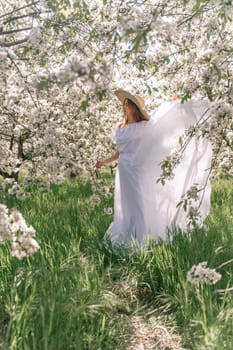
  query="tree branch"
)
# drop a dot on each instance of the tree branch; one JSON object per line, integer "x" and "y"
{"x": 14, "y": 31}
{"x": 21, "y": 16}
{"x": 24, "y": 79}
{"x": 13, "y": 43}
{"x": 19, "y": 8}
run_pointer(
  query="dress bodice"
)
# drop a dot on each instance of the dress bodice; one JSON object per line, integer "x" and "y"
{"x": 128, "y": 137}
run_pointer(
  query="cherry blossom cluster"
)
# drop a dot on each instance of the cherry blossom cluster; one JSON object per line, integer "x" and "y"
{"x": 191, "y": 201}
{"x": 13, "y": 228}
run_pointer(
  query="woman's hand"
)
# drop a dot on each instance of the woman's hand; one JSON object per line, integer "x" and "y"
{"x": 99, "y": 164}
{"x": 109, "y": 160}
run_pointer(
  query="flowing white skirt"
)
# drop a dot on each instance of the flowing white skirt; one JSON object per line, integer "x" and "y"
{"x": 143, "y": 207}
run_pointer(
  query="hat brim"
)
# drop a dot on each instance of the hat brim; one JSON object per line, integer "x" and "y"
{"x": 122, "y": 95}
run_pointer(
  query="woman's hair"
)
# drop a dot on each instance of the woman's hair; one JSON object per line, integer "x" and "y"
{"x": 138, "y": 114}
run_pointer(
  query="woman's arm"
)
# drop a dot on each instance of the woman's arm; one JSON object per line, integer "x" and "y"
{"x": 106, "y": 161}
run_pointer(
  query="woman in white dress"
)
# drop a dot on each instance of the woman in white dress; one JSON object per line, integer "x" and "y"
{"x": 143, "y": 207}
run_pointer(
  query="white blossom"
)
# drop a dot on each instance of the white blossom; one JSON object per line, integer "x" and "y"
{"x": 108, "y": 211}
{"x": 3, "y": 55}
{"x": 14, "y": 229}
{"x": 193, "y": 192}
{"x": 95, "y": 198}
{"x": 34, "y": 37}
{"x": 202, "y": 274}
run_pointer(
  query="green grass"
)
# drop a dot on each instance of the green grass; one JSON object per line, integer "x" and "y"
{"x": 76, "y": 294}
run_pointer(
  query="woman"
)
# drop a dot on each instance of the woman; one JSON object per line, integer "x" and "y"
{"x": 143, "y": 207}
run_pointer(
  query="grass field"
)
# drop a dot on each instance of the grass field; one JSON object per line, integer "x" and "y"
{"x": 75, "y": 294}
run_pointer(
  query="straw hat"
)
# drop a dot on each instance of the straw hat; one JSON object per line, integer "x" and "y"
{"x": 138, "y": 100}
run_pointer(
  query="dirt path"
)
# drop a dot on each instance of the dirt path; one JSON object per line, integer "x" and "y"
{"x": 149, "y": 335}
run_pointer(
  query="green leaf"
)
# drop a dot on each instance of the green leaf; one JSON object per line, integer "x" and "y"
{"x": 166, "y": 59}
{"x": 66, "y": 3}
{"x": 218, "y": 71}
{"x": 198, "y": 7}
{"x": 149, "y": 90}
{"x": 180, "y": 140}
{"x": 137, "y": 41}
{"x": 53, "y": 5}
{"x": 44, "y": 84}
{"x": 141, "y": 66}
{"x": 179, "y": 204}
{"x": 26, "y": 49}
{"x": 187, "y": 96}
{"x": 84, "y": 105}
{"x": 101, "y": 94}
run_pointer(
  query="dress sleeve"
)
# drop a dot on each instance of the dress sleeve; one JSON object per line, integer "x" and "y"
{"x": 167, "y": 124}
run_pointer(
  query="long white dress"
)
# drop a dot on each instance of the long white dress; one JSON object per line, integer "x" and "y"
{"x": 144, "y": 208}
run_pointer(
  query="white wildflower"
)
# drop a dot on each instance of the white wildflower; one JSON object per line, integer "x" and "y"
{"x": 105, "y": 190}
{"x": 108, "y": 211}
{"x": 95, "y": 198}
{"x": 202, "y": 274}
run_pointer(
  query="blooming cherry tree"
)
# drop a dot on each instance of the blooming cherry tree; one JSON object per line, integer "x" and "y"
{"x": 60, "y": 61}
